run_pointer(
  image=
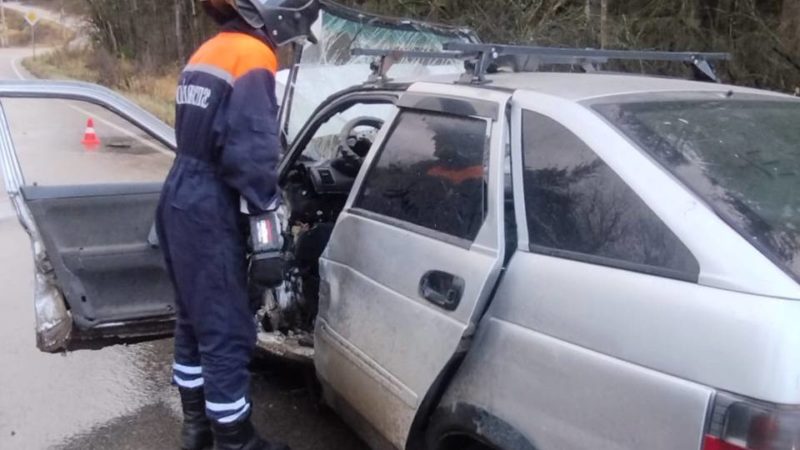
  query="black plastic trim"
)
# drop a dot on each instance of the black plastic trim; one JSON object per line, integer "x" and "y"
{"x": 456, "y": 106}
{"x": 127, "y": 333}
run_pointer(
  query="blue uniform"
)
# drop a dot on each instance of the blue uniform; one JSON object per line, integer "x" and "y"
{"x": 228, "y": 150}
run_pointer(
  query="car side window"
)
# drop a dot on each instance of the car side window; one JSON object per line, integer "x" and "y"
{"x": 431, "y": 172}
{"x": 82, "y": 143}
{"x": 577, "y": 207}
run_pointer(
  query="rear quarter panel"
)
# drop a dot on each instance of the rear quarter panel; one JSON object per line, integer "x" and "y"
{"x": 563, "y": 396}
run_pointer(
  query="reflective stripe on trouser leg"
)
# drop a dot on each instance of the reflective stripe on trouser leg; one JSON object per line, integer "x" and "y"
{"x": 209, "y": 259}
{"x": 187, "y": 372}
{"x": 188, "y": 377}
{"x": 227, "y": 412}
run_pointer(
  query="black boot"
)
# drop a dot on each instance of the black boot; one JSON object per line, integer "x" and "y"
{"x": 242, "y": 436}
{"x": 196, "y": 433}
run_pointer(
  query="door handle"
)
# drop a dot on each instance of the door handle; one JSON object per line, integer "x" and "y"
{"x": 443, "y": 289}
{"x": 152, "y": 237}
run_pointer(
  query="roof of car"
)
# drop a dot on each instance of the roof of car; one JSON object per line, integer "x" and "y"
{"x": 586, "y": 86}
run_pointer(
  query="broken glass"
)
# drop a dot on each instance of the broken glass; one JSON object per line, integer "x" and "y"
{"x": 328, "y": 67}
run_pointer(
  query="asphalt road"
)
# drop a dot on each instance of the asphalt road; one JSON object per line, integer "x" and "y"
{"x": 119, "y": 397}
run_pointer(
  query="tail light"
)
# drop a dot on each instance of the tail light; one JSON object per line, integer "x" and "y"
{"x": 738, "y": 423}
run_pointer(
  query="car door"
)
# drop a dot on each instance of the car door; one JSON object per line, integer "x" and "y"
{"x": 99, "y": 274}
{"x": 414, "y": 256}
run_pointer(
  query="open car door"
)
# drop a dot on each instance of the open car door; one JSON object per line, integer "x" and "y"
{"x": 99, "y": 274}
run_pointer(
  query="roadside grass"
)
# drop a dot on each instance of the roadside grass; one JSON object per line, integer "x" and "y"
{"x": 153, "y": 90}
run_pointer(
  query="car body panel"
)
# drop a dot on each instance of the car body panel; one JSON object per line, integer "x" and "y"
{"x": 711, "y": 336}
{"x": 368, "y": 302}
{"x": 561, "y": 396}
{"x": 575, "y": 355}
{"x": 714, "y": 332}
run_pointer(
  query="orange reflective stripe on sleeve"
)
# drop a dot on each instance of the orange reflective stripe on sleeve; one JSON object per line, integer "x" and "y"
{"x": 236, "y": 54}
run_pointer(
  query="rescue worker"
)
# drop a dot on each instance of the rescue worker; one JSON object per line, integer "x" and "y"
{"x": 227, "y": 155}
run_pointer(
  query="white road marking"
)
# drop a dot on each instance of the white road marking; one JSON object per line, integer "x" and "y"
{"x": 16, "y": 70}
{"x": 147, "y": 143}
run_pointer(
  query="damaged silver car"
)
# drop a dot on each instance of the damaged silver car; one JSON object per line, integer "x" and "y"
{"x": 483, "y": 256}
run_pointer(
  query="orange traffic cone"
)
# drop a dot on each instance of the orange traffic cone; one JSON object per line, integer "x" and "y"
{"x": 90, "y": 140}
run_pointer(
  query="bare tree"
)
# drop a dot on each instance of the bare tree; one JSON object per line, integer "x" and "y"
{"x": 790, "y": 25}
{"x": 604, "y": 23}
{"x": 179, "y": 30}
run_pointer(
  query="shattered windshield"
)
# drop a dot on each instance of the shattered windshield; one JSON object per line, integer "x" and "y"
{"x": 328, "y": 67}
{"x": 742, "y": 156}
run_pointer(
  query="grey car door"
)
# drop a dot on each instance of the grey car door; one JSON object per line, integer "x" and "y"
{"x": 415, "y": 255}
{"x": 99, "y": 274}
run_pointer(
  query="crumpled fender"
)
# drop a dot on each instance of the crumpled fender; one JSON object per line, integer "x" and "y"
{"x": 53, "y": 319}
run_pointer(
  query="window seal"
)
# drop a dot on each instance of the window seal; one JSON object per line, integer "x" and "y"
{"x": 689, "y": 277}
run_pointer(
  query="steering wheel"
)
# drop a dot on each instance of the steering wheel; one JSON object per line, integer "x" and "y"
{"x": 349, "y": 137}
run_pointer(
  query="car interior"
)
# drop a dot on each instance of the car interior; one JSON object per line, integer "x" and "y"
{"x": 315, "y": 188}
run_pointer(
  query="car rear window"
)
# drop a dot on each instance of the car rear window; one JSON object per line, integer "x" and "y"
{"x": 741, "y": 155}
{"x": 578, "y": 208}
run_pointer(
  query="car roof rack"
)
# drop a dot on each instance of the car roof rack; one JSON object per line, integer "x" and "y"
{"x": 481, "y": 59}
{"x": 385, "y": 59}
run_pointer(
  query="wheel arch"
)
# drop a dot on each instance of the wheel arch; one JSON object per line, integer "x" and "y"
{"x": 449, "y": 423}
